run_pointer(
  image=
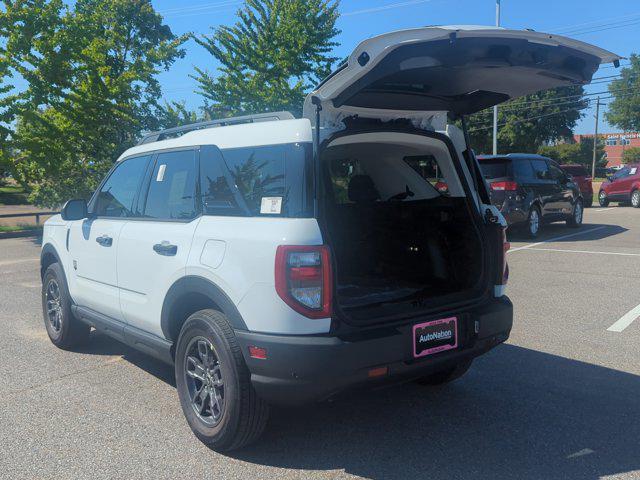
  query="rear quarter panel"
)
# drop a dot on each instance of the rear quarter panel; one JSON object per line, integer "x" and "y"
{"x": 238, "y": 255}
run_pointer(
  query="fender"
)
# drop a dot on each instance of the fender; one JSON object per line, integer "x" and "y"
{"x": 202, "y": 286}
{"x": 47, "y": 251}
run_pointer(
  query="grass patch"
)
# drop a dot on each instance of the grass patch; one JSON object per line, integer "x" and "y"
{"x": 12, "y": 195}
{"x": 19, "y": 228}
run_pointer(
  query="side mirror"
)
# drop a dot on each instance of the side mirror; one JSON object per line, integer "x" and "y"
{"x": 75, "y": 209}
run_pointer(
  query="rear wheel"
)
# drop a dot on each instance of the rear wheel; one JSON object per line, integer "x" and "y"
{"x": 603, "y": 200}
{"x": 533, "y": 222}
{"x": 64, "y": 330}
{"x": 446, "y": 376}
{"x": 635, "y": 199}
{"x": 214, "y": 386}
{"x": 575, "y": 220}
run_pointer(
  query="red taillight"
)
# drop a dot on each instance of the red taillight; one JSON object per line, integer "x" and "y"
{"x": 442, "y": 187}
{"x": 303, "y": 279}
{"x": 504, "y": 186}
{"x": 257, "y": 352}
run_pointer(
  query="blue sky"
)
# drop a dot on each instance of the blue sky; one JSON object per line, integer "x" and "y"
{"x": 614, "y": 25}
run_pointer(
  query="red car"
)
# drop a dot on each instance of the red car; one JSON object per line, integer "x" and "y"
{"x": 623, "y": 186}
{"x": 582, "y": 178}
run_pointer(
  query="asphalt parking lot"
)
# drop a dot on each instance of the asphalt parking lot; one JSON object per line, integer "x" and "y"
{"x": 560, "y": 400}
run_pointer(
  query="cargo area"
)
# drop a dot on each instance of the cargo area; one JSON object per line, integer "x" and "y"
{"x": 399, "y": 224}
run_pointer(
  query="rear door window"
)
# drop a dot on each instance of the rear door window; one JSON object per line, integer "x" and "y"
{"x": 172, "y": 191}
{"x": 273, "y": 179}
{"x": 522, "y": 170}
{"x": 541, "y": 169}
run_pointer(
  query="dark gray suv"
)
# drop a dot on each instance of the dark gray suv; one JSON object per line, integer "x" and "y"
{"x": 531, "y": 189}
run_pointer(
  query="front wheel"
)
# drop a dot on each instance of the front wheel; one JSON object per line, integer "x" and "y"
{"x": 575, "y": 220}
{"x": 214, "y": 385}
{"x": 446, "y": 376}
{"x": 65, "y": 331}
{"x": 603, "y": 200}
{"x": 635, "y": 199}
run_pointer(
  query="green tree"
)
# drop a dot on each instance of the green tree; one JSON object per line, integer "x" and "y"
{"x": 91, "y": 88}
{"x": 525, "y": 124}
{"x": 624, "y": 110}
{"x": 579, "y": 153}
{"x": 631, "y": 155}
{"x": 175, "y": 114}
{"x": 270, "y": 58}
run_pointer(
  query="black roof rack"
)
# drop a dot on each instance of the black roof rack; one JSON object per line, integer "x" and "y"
{"x": 222, "y": 122}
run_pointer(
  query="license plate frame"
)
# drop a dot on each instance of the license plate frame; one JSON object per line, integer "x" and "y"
{"x": 436, "y": 339}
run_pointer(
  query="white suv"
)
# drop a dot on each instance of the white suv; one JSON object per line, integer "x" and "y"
{"x": 281, "y": 260}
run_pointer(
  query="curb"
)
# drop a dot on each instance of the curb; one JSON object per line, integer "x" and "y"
{"x": 21, "y": 234}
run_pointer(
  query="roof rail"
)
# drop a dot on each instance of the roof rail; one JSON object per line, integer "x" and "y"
{"x": 221, "y": 122}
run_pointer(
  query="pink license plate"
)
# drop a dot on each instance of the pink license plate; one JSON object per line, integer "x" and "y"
{"x": 435, "y": 336}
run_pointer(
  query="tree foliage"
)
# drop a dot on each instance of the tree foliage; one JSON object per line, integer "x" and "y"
{"x": 525, "y": 124}
{"x": 578, "y": 153}
{"x": 90, "y": 71}
{"x": 631, "y": 155}
{"x": 270, "y": 58}
{"x": 624, "y": 109}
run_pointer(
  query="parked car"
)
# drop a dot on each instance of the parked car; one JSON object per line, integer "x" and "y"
{"x": 582, "y": 178}
{"x": 623, "y": 186}
{"x": 272, "y": 261}
{"x": 531, "y": 190}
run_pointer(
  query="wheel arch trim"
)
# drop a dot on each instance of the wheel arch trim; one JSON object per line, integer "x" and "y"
{"x": 191, "y": 284}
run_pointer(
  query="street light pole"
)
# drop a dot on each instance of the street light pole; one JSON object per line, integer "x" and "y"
{"x": 595, "y": 140}
{"x": 495, "y": 108}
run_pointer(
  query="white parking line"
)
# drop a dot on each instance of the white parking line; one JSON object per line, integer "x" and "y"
{"x": 562, "y": 237}
{"x": 605, "y": 209}
{"x": 626, "y": 320}
{"x": 585, "y": 251}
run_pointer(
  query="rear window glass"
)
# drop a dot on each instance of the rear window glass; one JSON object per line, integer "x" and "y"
{"x": 575, "y": 170}
{"x": 273, "y": 179}
{"x": 495, "y": 168}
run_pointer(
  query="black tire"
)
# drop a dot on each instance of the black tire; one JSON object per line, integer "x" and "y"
{"x": 635, "y": 198}
{"x": 603, "y": 200}
{"x": 588, "y": 203}
{"x": 533, "y": 222}
{"x": 234, "y": 415}
{"x": 446, "y": 376}
{"x": 65, "y": 331}
{"x": 575, "y": 219}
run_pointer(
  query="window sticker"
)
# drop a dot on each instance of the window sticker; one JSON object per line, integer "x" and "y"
{"x": 271, "y": 205}
{"x": 160, "y": 175}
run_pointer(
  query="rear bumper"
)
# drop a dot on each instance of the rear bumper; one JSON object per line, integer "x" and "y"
{"x": 303, "y": 369}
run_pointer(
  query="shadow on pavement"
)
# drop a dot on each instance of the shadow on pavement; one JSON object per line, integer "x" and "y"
{"x": 587, "y": 232}
{"x": 519, "y": 413}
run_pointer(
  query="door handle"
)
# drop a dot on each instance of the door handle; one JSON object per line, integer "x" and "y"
{"x": 166, "y": 249}
{"x": 104, "y": 240}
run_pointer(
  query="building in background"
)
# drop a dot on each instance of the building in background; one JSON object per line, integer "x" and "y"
{"x": 615, "y": 144}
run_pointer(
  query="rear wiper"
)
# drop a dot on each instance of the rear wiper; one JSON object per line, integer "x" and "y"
{"x": 403, "y": 195}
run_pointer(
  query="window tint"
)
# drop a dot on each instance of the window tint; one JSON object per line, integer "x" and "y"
{"x": 118, "y": 193}
{"x": 273, "y": 179}
{"x": 427, "y": 167}
{"x": 522, "y": 169}
{"x": 217, "y": 195}
{"x": 495, "y": 168}
{"x": 540, "y": 168}
{"x": 172, "y": 190}
{"x": 623, "y": 172}
{"x": 556, "y": 172}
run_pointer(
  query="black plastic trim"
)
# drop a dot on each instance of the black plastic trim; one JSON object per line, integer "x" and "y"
{"x": 136, "y": 338}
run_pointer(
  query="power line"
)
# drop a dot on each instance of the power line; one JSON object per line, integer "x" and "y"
{"x": 570, "y": 27}
{"x": 385, "y": 7}
{"x": 527, "y": 119}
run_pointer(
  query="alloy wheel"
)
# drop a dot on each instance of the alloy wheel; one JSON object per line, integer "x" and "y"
{"x": 534, "y": 222}
{"x": 54, "y": 305}
{"x": 203, "y": 377}
{"x": 635, "y": 199}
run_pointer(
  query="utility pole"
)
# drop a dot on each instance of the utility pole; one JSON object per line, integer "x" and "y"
{"x": 595, "y": 140}
{"x": 495, "y": 107}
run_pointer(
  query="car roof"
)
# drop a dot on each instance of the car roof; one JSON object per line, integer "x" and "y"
{"x": 234, "y": 136}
